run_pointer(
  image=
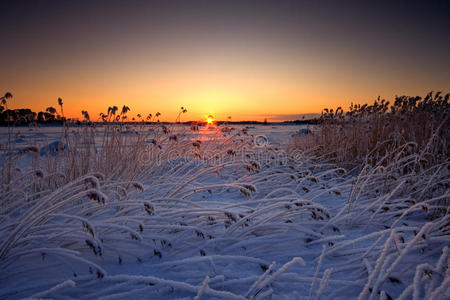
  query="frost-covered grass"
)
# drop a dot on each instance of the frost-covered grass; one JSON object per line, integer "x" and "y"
{"x": 370, "y": 131}
{"x": 171, "y": 212}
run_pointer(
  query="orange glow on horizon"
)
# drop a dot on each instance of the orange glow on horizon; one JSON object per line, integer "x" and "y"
{"x": 222, "y": 89}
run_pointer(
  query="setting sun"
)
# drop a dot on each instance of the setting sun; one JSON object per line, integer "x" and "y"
{"x": 210, "y": 120}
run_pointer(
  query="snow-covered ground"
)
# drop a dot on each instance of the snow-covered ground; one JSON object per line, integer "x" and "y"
{"x": 215, "y": 214}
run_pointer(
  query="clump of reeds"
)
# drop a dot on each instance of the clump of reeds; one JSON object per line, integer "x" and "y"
{"x": 368, "y": 132}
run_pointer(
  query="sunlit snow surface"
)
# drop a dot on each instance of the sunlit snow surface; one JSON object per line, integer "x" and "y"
{"x": 257, "y": 223}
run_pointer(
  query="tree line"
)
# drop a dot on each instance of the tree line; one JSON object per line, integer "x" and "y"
{"x": 26, "y": 115}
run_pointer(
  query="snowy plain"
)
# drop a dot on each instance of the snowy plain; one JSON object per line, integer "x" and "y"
{"x": 213, "y": 213}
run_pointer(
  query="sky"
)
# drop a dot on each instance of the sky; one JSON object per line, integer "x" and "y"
{"x": 249, "y": 60}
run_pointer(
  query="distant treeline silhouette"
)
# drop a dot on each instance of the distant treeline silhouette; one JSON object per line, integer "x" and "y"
{"x": 27, "y": 116}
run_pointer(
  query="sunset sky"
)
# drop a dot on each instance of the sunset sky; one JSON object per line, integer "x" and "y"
{"x": 245, "y": 59}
